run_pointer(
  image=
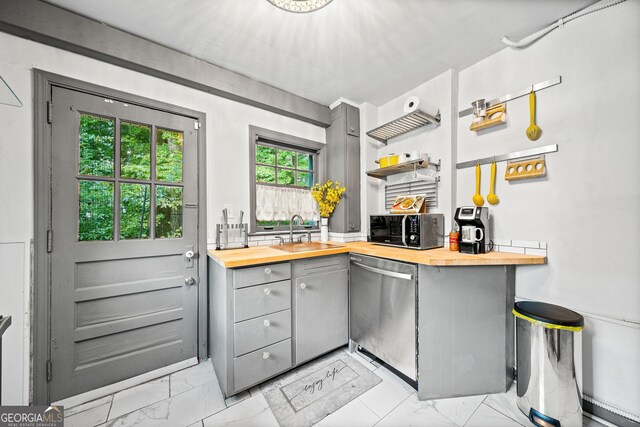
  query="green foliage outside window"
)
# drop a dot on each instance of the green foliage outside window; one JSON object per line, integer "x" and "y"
{"x": 283, "y": 167}
{"x": 97, "y": 198}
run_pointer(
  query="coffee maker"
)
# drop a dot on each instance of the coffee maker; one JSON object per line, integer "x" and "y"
{"x": 475, "y": 236}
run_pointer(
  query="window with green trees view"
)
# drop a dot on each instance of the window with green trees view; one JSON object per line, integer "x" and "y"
{"x": 280, "y": 162}
{"x": 283, "y": 167}
{"x": 140, "y": 181}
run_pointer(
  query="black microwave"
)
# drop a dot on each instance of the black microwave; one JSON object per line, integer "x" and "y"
{"x": 413, "y": 231}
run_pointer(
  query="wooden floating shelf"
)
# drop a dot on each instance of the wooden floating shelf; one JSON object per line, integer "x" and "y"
{"x": 496, "y": 115}
{"x": 402, "y": 125}
{"x": 408, "y": 166}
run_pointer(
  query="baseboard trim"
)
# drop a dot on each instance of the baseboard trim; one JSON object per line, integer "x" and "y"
{"x": 607, "y": 415}
{"x": 79, "y": 399}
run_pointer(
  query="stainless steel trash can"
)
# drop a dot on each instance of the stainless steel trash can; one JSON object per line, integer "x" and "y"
{"x": 549, "y": 363}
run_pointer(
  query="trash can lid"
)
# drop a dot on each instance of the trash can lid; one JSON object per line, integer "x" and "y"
{"x": 550, "y": 314}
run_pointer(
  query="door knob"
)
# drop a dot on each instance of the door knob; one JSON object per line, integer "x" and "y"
{"x": 265, "y": 355}
{"x": 267, "y": 270}
{"x": 267, "y": 291}
{"x": 266, "y": 323}
{"x": 189, "y": 254}
{"x": 303, "y": 285}
{"x": 189, "y": 281}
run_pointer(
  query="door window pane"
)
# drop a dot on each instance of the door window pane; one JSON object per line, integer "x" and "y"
{"x": 95, "y": 214}
{"x": 134, "y": 211}
{"x": 265, "y": 155}
{"x": 169, "y": 155}
{"x": 135, "y": 151}
{"x": 265, "y": 174}
{"x": 96, "y": 145}
{"x": 285, "y": 177}
{"x": 168, "y": 211}
{"x": 286, "y": 158}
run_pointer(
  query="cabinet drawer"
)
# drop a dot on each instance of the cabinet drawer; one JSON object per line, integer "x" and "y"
{"x": 262, "y": 299}
{"x": 244, "y": 277}
{"x": 255, "y": 367}
{"x": 320, "y": 265}
{"x": 262, "y": 331}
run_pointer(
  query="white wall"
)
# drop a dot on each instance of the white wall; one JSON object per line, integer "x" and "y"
{"x": 227, "y": 164}
{"x": 587, "y": 209}
{"x": 435, "y": 95}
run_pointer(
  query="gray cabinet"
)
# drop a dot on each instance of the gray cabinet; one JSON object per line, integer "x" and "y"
{"x": 264, "y": 320}
{"x": 249, "y": 324}
{"x": 353, "y": 120}
{"x": 321, "y": 306}
{"x": 343, "y": 165}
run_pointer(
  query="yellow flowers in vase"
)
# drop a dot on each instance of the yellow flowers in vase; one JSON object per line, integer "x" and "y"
{"x": 327, "y": 196}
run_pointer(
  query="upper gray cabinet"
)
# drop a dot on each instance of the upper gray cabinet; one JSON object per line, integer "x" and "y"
{"x": 343, "y": 165}
{"x": 353, "y": 120}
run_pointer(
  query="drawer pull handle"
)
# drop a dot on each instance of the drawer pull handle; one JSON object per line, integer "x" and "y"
{"x": 303, "y": 285}
{"x": 266, "y": 323}
{"x": 265, "y": 355}
{"x": 267, "y": 291}
{"x": 267, "y": 270}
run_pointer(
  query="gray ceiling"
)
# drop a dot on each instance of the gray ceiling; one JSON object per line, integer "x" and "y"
{"x": 361, "y": 50}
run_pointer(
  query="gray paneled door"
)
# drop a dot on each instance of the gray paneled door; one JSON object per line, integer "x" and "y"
{"x": 124, "y": 216}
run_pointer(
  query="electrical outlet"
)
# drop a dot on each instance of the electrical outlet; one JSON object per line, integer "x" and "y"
{"x": 229, "y": 209}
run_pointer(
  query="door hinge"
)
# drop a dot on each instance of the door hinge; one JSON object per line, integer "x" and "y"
{"x": 49, "y": 241}
{"x": 196, "y": 125}
{"x": 49, "y": 112}
{"x": 49, "y": 368}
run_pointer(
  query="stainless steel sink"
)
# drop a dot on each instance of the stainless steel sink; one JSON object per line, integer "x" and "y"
{"x": 304, "y": 247}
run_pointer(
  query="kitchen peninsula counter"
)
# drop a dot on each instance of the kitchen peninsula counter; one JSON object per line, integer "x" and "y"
{"x": 465, "y": 327}
{"x": 440, "y": 257}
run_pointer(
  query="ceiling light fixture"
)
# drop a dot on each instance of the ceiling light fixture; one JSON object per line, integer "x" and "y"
{"x": 300, "y": 6}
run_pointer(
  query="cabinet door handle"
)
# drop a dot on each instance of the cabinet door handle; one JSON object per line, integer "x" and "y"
{"x": 267, "y": 291}
{"x": 267, "y": 270}
{"x": 265, "y": 355}
{"x": 303, "y": 285}
{"x": 266, "y": 323}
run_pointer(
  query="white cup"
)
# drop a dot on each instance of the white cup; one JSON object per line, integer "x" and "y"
{"x": 470, "y": 234}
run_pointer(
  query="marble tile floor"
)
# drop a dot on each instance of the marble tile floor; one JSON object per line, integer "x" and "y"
{"x": 192, "y": 397}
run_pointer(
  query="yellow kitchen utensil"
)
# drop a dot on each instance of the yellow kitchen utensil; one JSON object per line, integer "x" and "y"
{"x": 477, "y": 198}
{"x": 491, "y": 197}
{"x": 533, "y": 131}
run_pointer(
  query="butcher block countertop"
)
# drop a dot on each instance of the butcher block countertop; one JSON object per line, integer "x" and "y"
{"x": 441, "y": 257}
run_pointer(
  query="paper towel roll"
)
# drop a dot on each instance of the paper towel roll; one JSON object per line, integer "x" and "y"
{"x": 411, "y": 104}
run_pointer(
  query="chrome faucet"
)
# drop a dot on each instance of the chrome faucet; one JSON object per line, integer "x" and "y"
{"x": 293, "y": 218}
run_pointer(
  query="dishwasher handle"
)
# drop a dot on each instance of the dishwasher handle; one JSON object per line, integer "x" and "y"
{"x": 397, "y": 275}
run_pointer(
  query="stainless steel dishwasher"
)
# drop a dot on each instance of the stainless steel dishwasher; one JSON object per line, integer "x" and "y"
{"x": 382, "y": 310}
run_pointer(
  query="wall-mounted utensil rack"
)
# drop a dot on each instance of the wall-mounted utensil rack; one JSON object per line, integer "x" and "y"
{"x": 510, "y": 97}
{"x": 408, "y": 166}
{"x": 402, "y": 125}
{"x": 509, "y": 156}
